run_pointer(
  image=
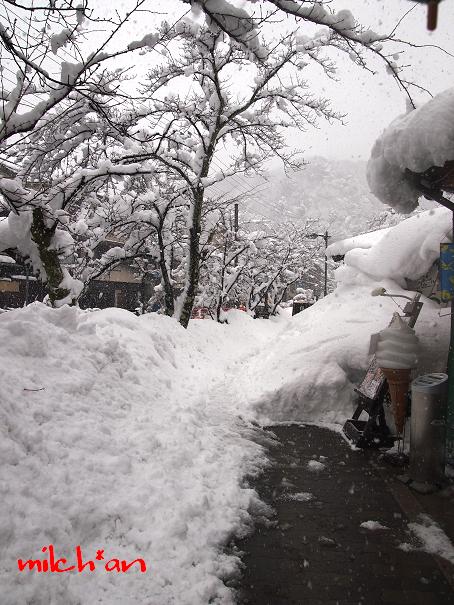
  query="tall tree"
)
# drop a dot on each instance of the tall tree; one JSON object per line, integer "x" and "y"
{"x": 189, "y": 128}
{"x": 53, "y": 91}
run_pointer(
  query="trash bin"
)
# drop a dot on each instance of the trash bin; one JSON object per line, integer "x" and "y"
{"x": 428, "y": 431}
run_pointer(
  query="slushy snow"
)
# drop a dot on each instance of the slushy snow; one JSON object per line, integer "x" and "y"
{"x": 373, "y": 525}
{"x": 432, "y": 539}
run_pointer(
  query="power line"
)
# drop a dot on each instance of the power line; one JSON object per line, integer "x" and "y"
{"x": 40, "y": 32}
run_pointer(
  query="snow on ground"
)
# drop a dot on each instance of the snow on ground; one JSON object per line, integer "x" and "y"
{"x": 132, "y": 435}
{"x": 432, "y": 539}
{"x": 300, "y": 496}
{"x": 315, "y": 466}
{"x": 372, "y": 525}
{"x": 308, "y": 371}
{"x": 114, "y": 437}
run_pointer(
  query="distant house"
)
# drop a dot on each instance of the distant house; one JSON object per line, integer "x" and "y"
{"x": 120, "y": 287}
{"x": 16, "y": 285}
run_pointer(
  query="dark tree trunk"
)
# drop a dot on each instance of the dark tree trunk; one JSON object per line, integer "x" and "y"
{"x": 169, "y": 299}
{"x": 194, "y": 261}
{"x": 42, "y": 236}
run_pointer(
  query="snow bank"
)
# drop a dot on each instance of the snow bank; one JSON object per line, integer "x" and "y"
{"x": 308, "y": 372}
{"x": 310, "y": 368}
{"x": 415, "y": 141}
{"x": 115, "y": 437}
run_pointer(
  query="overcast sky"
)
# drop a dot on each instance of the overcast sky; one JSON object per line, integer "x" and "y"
{"x": 370, "y": 101}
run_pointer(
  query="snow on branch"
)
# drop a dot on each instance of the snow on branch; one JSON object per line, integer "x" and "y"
{"x": 342, "y": 30}
{"x": 58, "y": 78}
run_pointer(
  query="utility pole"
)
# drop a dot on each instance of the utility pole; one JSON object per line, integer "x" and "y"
{"x": 235, "y": 227}
{"x": 325, "y": 237}
{"x": 325, "y": 290}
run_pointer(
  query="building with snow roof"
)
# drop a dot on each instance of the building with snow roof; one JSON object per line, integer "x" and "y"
{"x": 407, "y": 253}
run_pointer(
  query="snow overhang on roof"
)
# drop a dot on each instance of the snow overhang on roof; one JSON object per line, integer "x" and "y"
{"x": 414, "y": 156}
{"x": 4, "y": 258}
{"x": 363, "y": 240}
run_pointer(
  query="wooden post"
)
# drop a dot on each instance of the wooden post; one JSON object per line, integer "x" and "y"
{"x": 235, "y": 227}
{"x": 450, "y": 372}
{"x": 27, "y": 284}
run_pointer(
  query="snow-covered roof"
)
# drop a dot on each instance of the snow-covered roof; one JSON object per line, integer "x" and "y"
{"x": 407, "y": 250}
{"x": 363, "y": 240}
{"x": 416, "y": 141}
{"x": 4, "y": 258}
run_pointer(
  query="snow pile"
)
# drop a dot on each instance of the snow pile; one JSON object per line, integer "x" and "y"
{"x": 415, "y": 141}
{"x": 307, "y": 373}
{"x": 372, "y": 525}
{"x": 310, "y": 368}
{"x": 115, "y": 437}
{"x": 433, "y": 539}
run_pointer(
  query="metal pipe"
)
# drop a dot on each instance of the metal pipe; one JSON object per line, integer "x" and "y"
{"x": 450, "y": 372}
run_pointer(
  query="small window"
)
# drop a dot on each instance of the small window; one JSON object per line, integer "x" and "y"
{"x": 120, "y": 299}
{"x": 9, "y": 286}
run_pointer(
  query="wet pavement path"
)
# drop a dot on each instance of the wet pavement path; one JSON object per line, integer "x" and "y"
{"x": 314, "y": 551}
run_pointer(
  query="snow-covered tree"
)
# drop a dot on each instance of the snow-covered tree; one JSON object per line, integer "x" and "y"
{"x": 281, "y": 262}
{"x": 186, "y": 129}
{"x": 188, "y": 110}
{"x": 342, "y": 31}
{"x": 255, "y": 268}
{"x": 225, "y": 254}
{"x": 50, "y": 103}
{"x": 65, "y": 173}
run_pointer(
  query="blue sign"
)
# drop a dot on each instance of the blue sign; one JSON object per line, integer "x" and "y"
{"x": 447, "y": 272}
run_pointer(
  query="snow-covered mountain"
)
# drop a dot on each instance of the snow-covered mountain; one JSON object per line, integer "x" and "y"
{"x": 334, "y": 191}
